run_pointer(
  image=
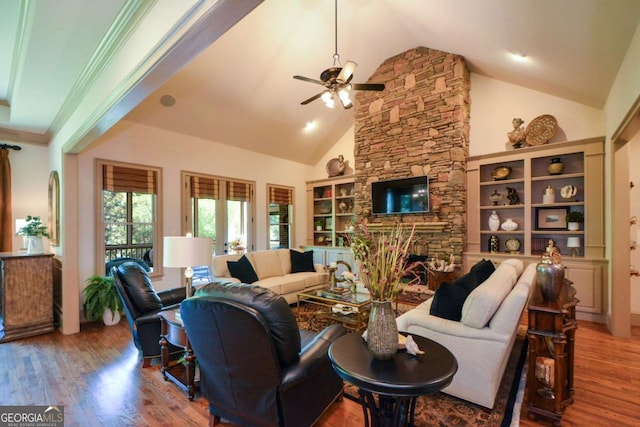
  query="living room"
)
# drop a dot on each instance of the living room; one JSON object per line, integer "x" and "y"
{"x": 494, "y": 104}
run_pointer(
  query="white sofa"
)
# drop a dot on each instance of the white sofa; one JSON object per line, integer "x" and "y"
{"x": 273, "y": 268}
{"x": 482, "y": 340}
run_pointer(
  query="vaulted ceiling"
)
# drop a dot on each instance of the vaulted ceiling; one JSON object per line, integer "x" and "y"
{"x": 240, "y": 91}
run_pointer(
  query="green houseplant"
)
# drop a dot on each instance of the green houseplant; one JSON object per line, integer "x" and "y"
{"x": 574, "y": 218}
{"x": 34, "y": 230}
{"x": 101, "y": 300}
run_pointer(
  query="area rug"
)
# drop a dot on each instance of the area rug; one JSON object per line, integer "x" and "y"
{"x": 443, "y": 410}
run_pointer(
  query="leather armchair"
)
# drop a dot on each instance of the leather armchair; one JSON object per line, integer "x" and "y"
{"x": 256, "y": 367}
{"x": 142, "y": 305}
{"x": 116, "y": 262}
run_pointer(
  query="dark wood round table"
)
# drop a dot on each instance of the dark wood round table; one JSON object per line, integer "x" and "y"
{"x": 397, "y": 381}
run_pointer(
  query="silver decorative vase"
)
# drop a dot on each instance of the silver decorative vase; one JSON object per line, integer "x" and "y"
{"x": 550, "y": 274}
{"x": 382, "y": 331}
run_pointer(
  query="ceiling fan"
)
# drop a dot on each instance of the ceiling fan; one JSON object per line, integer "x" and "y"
{"x": 337, "y": 79}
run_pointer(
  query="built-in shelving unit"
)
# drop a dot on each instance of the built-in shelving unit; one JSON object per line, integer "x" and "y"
{"x": 330, "y": 204}
{"x": 541, "y": 220}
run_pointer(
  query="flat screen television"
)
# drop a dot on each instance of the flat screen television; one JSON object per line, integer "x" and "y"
{"x": 398, "y": 196}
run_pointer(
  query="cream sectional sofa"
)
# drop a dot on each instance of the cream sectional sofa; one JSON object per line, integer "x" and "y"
{"x": 273, "y": 269}
{"x": 482, "y": 340}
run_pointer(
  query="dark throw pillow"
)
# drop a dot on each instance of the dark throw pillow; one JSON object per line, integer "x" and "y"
{"x": 242, "y": 270}
{"x": 448, "y": 301}
{"x": 301, "y": 261}
{"x": 450, "y": 297}
{"x": 477, "y": 275}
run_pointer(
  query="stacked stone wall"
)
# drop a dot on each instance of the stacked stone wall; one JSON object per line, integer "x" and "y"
{"x": 419, "y": 125}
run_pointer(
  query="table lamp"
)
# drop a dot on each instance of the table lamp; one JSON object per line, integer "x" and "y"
{"x": 186, "y": 252}
{"x": 574, "y": 244}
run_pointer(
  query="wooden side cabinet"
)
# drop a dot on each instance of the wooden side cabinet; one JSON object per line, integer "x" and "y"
{"x": 551, "y": 337}
{"x": 26, "y": 295}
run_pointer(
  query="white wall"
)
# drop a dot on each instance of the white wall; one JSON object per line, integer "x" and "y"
{"x": 495, "y": 103}
{"x": 129, "y": 142}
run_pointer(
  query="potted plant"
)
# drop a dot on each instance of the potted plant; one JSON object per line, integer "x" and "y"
{"x": 101, "y": 300}
{"x": 34, "y": 230}
{"x": 383, "y": 266}
{"x": 574, "y": 218}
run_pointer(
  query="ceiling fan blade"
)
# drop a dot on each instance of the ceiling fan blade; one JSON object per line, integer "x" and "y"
{"x": 307, "y": 79}
{"x": 313, "y": 98}
{"x": 367, "y": 86}
{"x": 346, "y": 72}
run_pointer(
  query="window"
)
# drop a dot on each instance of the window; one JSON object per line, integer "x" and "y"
{"x": 219, "y": 207}
{"x": 280, "y": 211}
{"x": 129, "y": 200}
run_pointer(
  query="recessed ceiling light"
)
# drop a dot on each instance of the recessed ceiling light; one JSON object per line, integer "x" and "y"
{"x": 309, "y": 126}
{"x": 519, "y": 57}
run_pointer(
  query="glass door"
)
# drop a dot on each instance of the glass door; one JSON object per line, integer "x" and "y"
{"x": 221, "y": 209}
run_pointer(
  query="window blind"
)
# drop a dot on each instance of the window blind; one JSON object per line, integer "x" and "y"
{"x": 280, "y": 195}
{"x": 238, "y": 191}
{"x": 205, "y": 188}
{"x": 120, "y": 178}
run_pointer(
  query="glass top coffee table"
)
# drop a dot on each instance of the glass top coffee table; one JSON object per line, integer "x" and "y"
{"x": 349, "y": 309}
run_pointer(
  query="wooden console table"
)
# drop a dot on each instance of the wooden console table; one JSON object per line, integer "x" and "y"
{"x": 26, "y": 295}
{"x": 551, "y": 336}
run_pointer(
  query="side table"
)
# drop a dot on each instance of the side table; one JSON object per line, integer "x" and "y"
{"x": 398, "y": 381}
{"x": 551, "y": 334}
{"x": 173, "y": 332}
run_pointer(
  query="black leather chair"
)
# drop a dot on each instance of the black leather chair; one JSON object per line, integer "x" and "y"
{"x": 256, "y": 367}
{"x": 117, "y": 261}
{"x": 142, "y": 305}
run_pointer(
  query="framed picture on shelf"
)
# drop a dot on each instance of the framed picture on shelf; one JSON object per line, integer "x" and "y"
{"x": 328, "y": 224}
{"x": 551, "y": 219}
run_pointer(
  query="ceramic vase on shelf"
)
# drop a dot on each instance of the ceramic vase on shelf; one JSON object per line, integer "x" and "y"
{"x": 549, "y": 195}
{"x": 382, "y": 331}
{"x": 494, "y": 221}
{"x": 494, "y": 244}
{"x": 509, "y": 225}
{"x": 556, "y": 166}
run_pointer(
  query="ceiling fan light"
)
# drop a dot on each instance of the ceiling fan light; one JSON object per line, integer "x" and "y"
{"x": 343, "y": 94}
{"x": 327, "y": 97}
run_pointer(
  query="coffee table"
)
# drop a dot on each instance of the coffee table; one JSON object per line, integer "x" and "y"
{"x": 173, "y": 332}
{"x": 397, "y": 381}
{"x": 356, "y": 308}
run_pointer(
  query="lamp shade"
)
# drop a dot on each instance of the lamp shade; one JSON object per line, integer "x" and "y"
{"x": 573, "y": 242}
{"x": 181, "y": 251}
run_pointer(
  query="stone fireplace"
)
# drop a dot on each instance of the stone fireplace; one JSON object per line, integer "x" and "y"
{"x": 419, "y": 125}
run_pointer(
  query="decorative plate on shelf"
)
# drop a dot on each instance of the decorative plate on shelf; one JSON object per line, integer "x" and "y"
{"x": 541, "y": 129}
{"x": 336, "y": 166}
{"x": 512, "y": 245}
{"x": 500, "y": 173}
{"x": 325, "y": 207}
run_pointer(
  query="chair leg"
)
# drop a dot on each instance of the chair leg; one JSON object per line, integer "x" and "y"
{"x": 214, "y": 420}
{"x": 146, "y": 362}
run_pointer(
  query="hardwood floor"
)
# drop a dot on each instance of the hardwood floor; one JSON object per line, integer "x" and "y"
{"x": 97, "y": 376}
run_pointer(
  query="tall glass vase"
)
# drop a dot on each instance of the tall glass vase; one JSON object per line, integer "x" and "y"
{"x": 382, "y": 331}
